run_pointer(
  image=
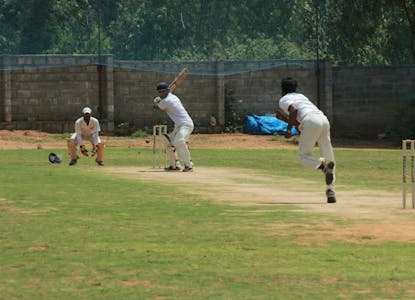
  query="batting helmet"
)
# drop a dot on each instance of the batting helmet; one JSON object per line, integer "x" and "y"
{"x": 54, "y": 159}
{"x": 162, "y": 86}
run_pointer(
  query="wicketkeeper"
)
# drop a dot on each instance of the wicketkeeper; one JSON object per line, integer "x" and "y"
{"x": 175, "y": 142}
{"x": 86, "y": 129}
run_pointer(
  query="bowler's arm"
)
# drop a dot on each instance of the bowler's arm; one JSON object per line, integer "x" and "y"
{"x": 292, "y": 119}
{"x": 281, "y": 116}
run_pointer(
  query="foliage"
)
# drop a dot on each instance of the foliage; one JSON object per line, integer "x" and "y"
{"x": 139, "y": 134}
{"x": 233, "y": 122}
{"x": 122, "y": 129}
{"x": 359, "y": 32}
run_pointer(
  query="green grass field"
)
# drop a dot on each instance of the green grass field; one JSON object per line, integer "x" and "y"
{"x": 82, "y": 233}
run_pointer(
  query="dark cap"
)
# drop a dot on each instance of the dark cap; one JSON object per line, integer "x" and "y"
{"x": 162, "y": 86}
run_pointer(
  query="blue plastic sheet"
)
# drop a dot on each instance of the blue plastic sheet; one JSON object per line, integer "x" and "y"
{"x": 263, "y": 125}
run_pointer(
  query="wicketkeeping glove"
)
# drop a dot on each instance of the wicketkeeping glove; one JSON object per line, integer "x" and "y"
{"x": 84, "y": 151}
{"x": 94, "y": 150}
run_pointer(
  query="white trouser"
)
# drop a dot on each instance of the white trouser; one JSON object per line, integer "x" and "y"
{"x": 178, "y": 139}
{"x": 315, "y": 128}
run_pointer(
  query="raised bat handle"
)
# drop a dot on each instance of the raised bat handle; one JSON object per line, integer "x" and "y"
{"x": 179, "y": 78}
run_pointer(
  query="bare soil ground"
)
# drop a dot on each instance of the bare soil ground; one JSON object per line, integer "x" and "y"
{"x": 374, "y": 216}
{"x": 27, "y": 139}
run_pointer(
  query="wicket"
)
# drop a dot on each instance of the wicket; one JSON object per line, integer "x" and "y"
{"x": 406, "y": 153}
{"x": 159, "y": 152}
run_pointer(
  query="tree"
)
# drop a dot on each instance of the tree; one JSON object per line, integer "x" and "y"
{"x": 12, "y": 17}
{"x": 40, "y": 27}
{"x": 367, "y": 32}
{"x": 350, "y": 32}
{"x": 409, "y": 8}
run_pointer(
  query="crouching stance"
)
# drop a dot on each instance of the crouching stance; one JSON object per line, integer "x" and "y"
{"x": 86, "y": 129}
{"x": 175, "y": 142}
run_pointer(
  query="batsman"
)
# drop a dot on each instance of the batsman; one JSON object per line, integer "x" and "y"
{"x": 175, "y": 142}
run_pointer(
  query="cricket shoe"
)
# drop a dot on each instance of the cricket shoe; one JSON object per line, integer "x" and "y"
{"x": 331, "y": 196}
{"x": 171, "y": 168}
{"x": 328, "y": 172}
{"x": 188, "y": 169}
{"x": 100, "y": 163}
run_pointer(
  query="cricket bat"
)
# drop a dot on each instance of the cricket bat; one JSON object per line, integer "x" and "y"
{"x": 179, "y": 78}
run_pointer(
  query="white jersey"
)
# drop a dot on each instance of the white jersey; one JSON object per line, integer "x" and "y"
{"x": 89, "y": 132}
{"x": 303, "y": 104}
{"x": 174, "y": 108}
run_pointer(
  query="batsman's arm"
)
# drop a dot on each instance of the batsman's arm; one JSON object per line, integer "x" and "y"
{"x": 156, "y": 102}
{"x": 172, "y": 86}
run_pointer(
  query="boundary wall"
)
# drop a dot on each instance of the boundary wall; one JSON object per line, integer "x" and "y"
{"x": 47, "y": 92}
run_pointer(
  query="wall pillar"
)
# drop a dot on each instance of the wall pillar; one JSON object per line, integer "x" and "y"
{"x": 326, "y": 89}
{"x": 5, "y": 89}
{"x": 107, "y": 109}
{"x": 220, "y": 92}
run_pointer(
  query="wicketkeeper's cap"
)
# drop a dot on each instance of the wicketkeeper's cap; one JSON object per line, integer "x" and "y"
{"x": 86, "y": 110}
{"x": 162, "y": 86}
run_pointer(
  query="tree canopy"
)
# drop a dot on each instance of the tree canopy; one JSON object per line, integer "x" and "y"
{"x": 347, "y": 32}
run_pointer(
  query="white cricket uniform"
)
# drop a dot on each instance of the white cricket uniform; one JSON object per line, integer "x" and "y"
{"x": 314, "y": 127}
{"x": 89, "y": 132}
{"x": 183, "y": 127}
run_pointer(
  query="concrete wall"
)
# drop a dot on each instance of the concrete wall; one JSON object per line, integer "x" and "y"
{"x": 47, "y": 92}
{"x": 203, "y": 91}
{"x": 135, "y": 88}
{"x": 366, "y": 99}
{"x": 258, "y": 92}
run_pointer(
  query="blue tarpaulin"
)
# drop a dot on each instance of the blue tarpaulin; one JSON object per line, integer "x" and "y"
{"x": 263, "y": 125}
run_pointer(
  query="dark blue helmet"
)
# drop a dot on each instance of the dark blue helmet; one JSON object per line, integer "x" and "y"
{"x": 162, "y": 86}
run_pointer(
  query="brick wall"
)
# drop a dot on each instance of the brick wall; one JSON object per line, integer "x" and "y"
{"x": 47, "y": 92}
{"x": 203, "y": 91}
{"x": 135, "y": 88}
{"x": 258, "y": 92}
{"x": 365, "y": 99}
